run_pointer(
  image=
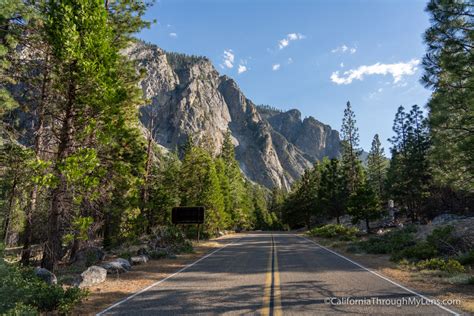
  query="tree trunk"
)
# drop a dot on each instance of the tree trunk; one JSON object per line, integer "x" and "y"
{"x": 148, "y": 214}
{"x": 31, "y": 209}
{"x": 10, "y": 212}
{"x": 367, "y": 225}
{"x": 53, "y": 248}
{"x": 27, "y": 234}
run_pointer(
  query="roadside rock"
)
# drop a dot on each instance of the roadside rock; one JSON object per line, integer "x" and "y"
{"x": 46, "y": 275}
{"x": 93, "y": 275}
{"x": 135, "y": 260}
{"x": 117, "y": 266}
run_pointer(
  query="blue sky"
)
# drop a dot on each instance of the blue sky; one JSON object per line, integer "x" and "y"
{"x": 309, "y": 55}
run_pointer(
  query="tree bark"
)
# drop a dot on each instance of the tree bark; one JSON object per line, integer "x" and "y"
{"x": 10, "y": 212}
{"x": 27, "y": 234}
{"x": 53, "y": 248}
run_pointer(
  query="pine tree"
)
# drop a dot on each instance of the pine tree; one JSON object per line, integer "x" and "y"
{"x": 376, "y": 167}
{"x": 200, "y": 186}
{"x": 364, "y": 205}
{"x": 449, "y": 72}
{"x": 238, "y": 203}
{"x": 333, "y": 192}
{"x": 408, "y": 176}
{"x": 350, "y": 148}
{"x": 96, "y": 98}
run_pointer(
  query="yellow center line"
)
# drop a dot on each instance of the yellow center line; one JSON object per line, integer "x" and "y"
{"x": 272, "y": 293}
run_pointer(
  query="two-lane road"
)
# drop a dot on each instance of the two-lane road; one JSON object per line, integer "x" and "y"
{"x": 274, "y": 274}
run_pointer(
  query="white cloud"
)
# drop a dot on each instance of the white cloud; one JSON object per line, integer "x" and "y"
{"x": 229, "y": 58}
{"x": 341, "y": 64}
{"x": 290, "y": 37}
{"x": 343, "y": 49}
{"x": 276, "y": 67}
{"x": 290, "y": 60}
{"x": 283, "y": 43}
{"x": 397, "y": 71}
{"x": 241, "y": 69}
{"x": 174, "y": 35}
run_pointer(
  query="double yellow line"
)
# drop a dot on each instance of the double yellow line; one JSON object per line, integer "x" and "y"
{"x": 272, "y": 292}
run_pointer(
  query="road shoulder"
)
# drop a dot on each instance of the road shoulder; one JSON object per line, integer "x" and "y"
{"x": 416, "y": 281}
{"x": 115, "y": 289}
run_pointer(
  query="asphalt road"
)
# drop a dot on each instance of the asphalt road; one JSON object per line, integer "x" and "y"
{"x": 274, "y": 274}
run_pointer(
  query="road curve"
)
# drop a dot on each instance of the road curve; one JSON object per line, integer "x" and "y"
{"x": 274, "y": 274}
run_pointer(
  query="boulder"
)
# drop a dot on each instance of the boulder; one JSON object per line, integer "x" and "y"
{"x": 46, "y": 275}
{"x": 93, "y": 275}
{"x": 89, "y": 256}
{"x": 139, "y": 259}
{"x": 119, "y": 265}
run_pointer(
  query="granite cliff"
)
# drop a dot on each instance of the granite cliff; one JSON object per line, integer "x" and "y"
{"x": 188, "y": 97}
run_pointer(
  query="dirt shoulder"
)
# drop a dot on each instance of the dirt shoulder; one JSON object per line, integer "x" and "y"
{"x": 115, "y": 289}
{"x": 429, "y": 283}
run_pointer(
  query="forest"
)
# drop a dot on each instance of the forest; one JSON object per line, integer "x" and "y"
{"x": 76, "y": 166}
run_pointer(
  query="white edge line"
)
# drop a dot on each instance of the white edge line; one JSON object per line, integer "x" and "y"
{"x": 163, "y": 280}
{"x": 380, "y": 276}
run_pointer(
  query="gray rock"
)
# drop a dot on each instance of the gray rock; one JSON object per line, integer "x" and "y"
{"x": 93, "y": 275}
{"x": 117, "y": 266}
{"x": 46, "y": 275}
{"x": 125, "y": 263}
{"x": 135, "y": 260}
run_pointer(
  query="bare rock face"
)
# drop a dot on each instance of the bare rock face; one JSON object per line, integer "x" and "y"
{"x": 190, "y": 98}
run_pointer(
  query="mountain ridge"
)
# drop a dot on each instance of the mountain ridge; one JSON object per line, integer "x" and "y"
{"x": 191, "y": 98}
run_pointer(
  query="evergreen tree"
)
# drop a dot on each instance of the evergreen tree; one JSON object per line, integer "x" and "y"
{"x": 200, "y": 186}
{"x": 364, "y": 205}
{"x": 237, "y": 194}
{"x": 302, "y": 203}
{"x": 350, "y": 148}
{"x": 409, "y": 174}
{"x": 376, "y": 167}
{"x": 94, "y": 110}
{"x": 449, "y": 72}
{"x": 333, "y": 192}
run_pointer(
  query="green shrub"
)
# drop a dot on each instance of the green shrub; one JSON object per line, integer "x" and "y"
{"x": 334, "y": 231}
{"x": 466, "y": 258}
{"x": 157, "y": 254}
{"x": 27, "y": 292}
{"x": 392, "y": 242}
{"x": 22, "y": 309}
{"x": 450, "y": 265}
{"x": 443, "y": 239}
{"x": 420, "y": 251}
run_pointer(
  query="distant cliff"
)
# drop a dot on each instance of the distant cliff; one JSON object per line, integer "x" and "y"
{"x": 189, "y": 97}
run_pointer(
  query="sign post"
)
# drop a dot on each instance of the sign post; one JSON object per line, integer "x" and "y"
{"x": 188, "y": 215}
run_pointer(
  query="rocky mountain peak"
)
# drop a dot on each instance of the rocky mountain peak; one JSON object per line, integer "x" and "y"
{"x": 190, "y": 98}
